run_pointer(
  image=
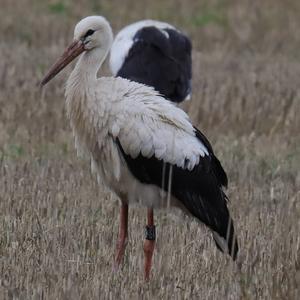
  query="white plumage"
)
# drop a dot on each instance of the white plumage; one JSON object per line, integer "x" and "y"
{"x": 142, "y": 120}
{"x": 136, "y": 140}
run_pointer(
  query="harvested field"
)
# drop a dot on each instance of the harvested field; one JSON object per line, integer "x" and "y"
{"x": 58, "y": 228}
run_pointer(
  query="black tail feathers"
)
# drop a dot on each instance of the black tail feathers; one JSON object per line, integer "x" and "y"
{"x": 227, "y": 242}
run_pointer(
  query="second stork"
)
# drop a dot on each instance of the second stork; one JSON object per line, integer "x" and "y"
{"x": 156, "y": 54}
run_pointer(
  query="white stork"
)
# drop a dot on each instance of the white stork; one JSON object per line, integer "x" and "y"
{"x": 140, "y": 145}
{"x": 156, "y": 54}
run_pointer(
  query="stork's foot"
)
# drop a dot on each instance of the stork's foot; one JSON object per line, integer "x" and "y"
{"x": 149, "y": 245}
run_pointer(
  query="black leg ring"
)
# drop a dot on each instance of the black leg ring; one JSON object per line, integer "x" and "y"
{"x": 150, "y": 233}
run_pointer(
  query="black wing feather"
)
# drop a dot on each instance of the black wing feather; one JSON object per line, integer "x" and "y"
{"x": 161, "y": 62}
{"x": 217, "y": 167}
{"x": 199, "y": 190}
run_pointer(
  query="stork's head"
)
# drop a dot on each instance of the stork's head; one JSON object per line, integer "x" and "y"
{"x": 93, "y": 31}
{"x": 90, "y": 33}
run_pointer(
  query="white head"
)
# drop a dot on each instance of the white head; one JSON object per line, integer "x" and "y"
{"x": 94, "y": 31}
{"x": 90, "y": 33}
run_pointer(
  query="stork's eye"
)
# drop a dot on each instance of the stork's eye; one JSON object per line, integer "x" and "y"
{"x": 89, "y": 32}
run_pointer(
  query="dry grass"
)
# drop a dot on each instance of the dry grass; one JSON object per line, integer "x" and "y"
{"x": 58, "y": 229}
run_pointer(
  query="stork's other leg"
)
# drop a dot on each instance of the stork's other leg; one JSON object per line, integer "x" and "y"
{"x": 149, "y": 243}
{"x": 122, "y": 239}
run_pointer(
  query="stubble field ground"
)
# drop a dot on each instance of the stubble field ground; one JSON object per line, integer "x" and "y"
{"x": 58, "y": 227}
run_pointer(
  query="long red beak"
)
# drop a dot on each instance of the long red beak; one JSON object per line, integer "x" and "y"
{"x": 76, "y": 48}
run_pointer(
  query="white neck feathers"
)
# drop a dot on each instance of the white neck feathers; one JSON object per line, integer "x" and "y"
{"x": 85, "y": 71}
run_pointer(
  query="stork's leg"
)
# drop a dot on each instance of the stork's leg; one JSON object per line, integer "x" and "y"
{"x": 149, "y": 243}
{"x": 122, "y": 239}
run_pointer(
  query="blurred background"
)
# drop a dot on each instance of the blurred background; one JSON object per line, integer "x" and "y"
{"x": 56, "y": 224}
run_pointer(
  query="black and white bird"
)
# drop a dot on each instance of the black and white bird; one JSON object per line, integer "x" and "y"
{"x": 140, "y": 145}
{"x": 156, "y": 54}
